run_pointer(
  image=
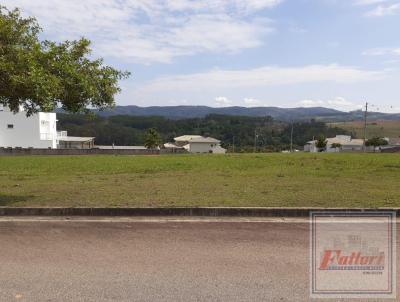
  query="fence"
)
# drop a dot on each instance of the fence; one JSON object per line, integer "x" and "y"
{"x": 31, "y": 151}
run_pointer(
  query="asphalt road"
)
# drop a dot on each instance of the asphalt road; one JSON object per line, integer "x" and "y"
{"x": 153, "y": 260}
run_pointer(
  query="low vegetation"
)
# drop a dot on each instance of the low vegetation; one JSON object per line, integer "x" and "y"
{"x": 379, "y": 128}
{"x": 289, "y": 180}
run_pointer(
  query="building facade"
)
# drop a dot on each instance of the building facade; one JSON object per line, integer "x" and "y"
{"x": 19, "y": 131}
{"x": 38, "y": 131}
{"x": 196, "y": 144}
{"x": 345, "y": 143}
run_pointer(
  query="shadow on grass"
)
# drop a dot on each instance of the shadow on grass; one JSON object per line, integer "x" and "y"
{"x": 9, "y": 200}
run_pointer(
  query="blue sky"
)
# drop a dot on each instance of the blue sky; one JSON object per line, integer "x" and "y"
{"x": 286, "y": 53}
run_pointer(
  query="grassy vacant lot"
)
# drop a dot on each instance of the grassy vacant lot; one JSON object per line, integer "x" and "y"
{"x": 334, "y": 180}
{"x": 374, "y": 128}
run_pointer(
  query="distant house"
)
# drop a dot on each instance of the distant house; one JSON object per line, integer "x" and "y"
{"x": 392, "y": 147}
{"x": 197, "y": 144}
{"x": 184, "y": 139}
{"x": 345, "y": 142}
{"x": 393, "y": 141}
{"x": 73, "y": 142}
{"x": 173, "y": 148}
{"x": 37, "y": 131}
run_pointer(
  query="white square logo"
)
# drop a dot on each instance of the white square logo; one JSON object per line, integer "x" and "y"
{"x": 353, "y": 254}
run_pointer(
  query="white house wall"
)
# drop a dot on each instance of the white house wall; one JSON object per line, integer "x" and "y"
{"x": 36, "y": 131}
{"x": 206, "y": 148}
{"x": 201, "y": 147}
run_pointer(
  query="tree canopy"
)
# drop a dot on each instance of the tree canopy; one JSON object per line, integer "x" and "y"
{"x": 152, "y": 139}
{"x": 41, "y": 75}
{"x": 321, "y": 142}
{"x": 336, "y": 145}
{"x": 376, "y": 142}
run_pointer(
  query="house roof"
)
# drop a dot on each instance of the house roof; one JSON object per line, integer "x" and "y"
{"x": 394, "y": 141}
{"x": 352, "y": 142}
{"x": 121, "y": 147}
{"x": 186, "y": 138}
{"x": 342, "y": 140}
{"x": 196, "y": 139}
{"x": 75, "y": 139}
{"x": 359, "y": 142}
{"x": 204, "y": 140}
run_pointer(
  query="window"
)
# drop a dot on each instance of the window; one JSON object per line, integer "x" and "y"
{"x": 10, "y": 126}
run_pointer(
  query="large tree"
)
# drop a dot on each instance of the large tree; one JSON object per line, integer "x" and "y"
{"x": 41, "y": 75}
{"x": 376, "y": 142}
{"x": 152, "y": 139}
{"x": 321, "y": 143}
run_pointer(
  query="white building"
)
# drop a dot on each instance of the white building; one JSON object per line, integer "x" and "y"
{"x": 197, "y": 144}
{"x": 38, "y": 131}
{"x": 345, "y": 142}
{"x": 73, "y": 142}
{"x": 393, "y": 141}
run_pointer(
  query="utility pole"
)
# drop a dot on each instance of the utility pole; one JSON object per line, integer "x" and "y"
{"x": 291, "y": 139}
{"x": 233, "y": 144}
{"x": 365, "y": 126}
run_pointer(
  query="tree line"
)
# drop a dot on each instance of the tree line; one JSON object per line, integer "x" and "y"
{"x": 240, "y": 132}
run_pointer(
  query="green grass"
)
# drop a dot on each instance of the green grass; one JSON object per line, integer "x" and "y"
{"x": 290, "y": 180}
{"x": 374, "y": 128}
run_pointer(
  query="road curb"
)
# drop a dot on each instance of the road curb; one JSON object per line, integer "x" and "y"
{"x": 182, "y": 211}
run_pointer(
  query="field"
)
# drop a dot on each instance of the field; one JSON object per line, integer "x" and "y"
{"x": 379, "y": 128}
{"x": 334, "y": 180}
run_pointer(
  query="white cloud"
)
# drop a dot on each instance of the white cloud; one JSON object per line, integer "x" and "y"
{"x": 250, "y": 102}
{"x": 222, "y": 101}
{"x": 220, "y": 5}
{"x": 297, "y": 30}
{"x": 339, "y": 103}
{"x": 280, "y": 85}
{"x": 369, "y": 2}
{"x": 391, "y": 62}
{"x": 384, "y": 10}
{"x": 218, "y": 79}
{"x": 311, "y": 103}
{"x": 147, "y": 31}
{"x": 255, "y": 5}
{"x": 382, "y": 51}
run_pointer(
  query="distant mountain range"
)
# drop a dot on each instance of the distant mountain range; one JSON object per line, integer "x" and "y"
{"x": 284, "y": 114}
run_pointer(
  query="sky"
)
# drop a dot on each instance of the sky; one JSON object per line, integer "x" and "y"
{"x": 285, "y": 53}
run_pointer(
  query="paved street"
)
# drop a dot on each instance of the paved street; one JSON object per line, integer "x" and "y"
{"x": 153, "y": 260}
